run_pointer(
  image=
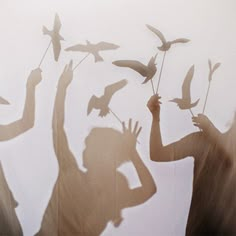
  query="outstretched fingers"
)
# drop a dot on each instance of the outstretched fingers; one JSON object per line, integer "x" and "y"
{"x": 135, "y": 127}
{"x": 123, "y": 126}
{"x": 139, "y": 130}
{"x": 136, "y": 130}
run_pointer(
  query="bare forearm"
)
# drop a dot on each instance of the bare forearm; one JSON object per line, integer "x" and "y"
{"x": 156, "y": 145}
{"x": 64, "y": 155}
{"x": 145, "y": 177}
{"x": 59, "y": 135}
{"x": 59, "y": 109}
{"x": 25, "y": 123}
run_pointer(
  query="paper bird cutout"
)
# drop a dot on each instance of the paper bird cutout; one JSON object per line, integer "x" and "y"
{"x": 55, "y": 36}
{"x": 185, "y": 101}
{"x": 165, "y": 44}
{"x": 3, "y": 101}
{"x": 210, "y": 76}
{"x": 102, "y": 103}
{"x": 93, "y": 48}
{"x": 212, "y": 70}
{"x": 146, "y": 71}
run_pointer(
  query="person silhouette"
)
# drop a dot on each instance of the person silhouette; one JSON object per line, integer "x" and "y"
{"x": 82, "y": 203}
{"x": 9, "y": 223}
{"x": 213, "y": 205}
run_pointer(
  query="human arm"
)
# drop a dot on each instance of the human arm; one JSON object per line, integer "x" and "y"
{"x": 158, "y": 152}
{"x": 26, "y": 122}
{"x": 174, "y": 151}
{"x": 63, "y": 153}
{"x": 132, "y": 197}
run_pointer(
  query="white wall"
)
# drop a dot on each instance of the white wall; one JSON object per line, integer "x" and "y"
{"x": 29, "y": 161}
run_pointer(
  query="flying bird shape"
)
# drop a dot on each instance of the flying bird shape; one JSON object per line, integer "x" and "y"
{"x": 185, "y": 101}
{"x": 3, "y": 101}
{"x": 93, "y": 48}
{"x": 146, "y": 71}
{"x": 102, "y": 103}
{"x": 55, "y": 36}
{"x": 166, "y": 44}
{"x": 212, "y": 69}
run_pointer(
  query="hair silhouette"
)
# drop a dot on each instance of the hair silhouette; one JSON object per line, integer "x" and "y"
{"x": 213, "y": 206}
{"x": 83, "y": 203}
{"x": 9, "y": 223}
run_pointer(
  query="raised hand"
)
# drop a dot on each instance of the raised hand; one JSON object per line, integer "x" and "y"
{"x": 202, "y": 122}
{"x": 130, "y": 135}
{"x": 154, "y": 105}
{"x": 35, "y": 77}
{"x": 67, "y": 75}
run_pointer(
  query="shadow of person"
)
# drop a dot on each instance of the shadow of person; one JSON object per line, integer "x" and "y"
{"x": 82, "y": 203}
{"x": 213, "y": 205}
{"x": 9, "y": 223}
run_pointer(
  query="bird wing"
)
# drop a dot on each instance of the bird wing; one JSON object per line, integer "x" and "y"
{"x": 57, "y": 24}
{"x": 158, "y": 33}
{"x": 106, "y": 46}
{"x": 78, "y": 47}
{"x": 93, "y": 103}
{"x": 210, "y": 65}
{"x": 195, "y": 103}
{"x": 187, "y": 83}
{"x": 111, "y": 89}
{"x": 56, "y": 47}
{"x": 4, "y": 101}
{"x": 135, "y": 65}
{"x": 216, "y": 66}
{"x": 181, "y": 40}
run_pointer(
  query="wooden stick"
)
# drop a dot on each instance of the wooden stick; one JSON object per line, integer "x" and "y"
{"x": 153, "y": 87}
{"x": 163, "y": 61}
{"x": 114, "y": 114}
{"x": 209, "y": 84}
{"x": 191, "y": 111}
{"x": 45, "y": 54}
{"x": 81, "y": 61}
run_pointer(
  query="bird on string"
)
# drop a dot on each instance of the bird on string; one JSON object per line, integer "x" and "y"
{"x": 166, "y": 45}
{"x": 212, "y": 70}
{"x": 148, "y": 71}
{"x": 93, "y": 49}
{"x": 56, "y": 39}
{"x": 102, "y": 103}
{"x": 185, "y": 102}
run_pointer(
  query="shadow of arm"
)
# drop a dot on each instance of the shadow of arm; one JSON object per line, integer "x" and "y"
{"x": 139, "y": 195}
{"x": 64, "y": 155}
{"x": 190, "y": 145}
{"x": 26, "y": 122}
{"x": 158, "y": 152}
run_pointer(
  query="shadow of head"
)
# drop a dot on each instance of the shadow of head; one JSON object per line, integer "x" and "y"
{"x": 105, "y": 148}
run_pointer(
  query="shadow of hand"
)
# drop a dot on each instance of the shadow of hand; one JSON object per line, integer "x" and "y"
{"x": 130, "y": 136}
